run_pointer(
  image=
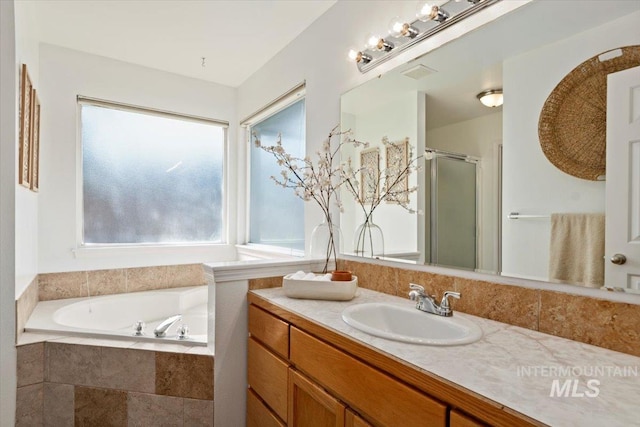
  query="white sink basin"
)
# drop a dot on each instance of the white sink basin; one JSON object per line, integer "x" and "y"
{"x": 408, "y": 324}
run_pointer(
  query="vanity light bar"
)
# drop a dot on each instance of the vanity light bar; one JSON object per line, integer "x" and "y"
{"x": 407, "y": 35}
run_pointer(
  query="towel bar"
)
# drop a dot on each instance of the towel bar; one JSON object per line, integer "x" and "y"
{"x": 516, "y": 215}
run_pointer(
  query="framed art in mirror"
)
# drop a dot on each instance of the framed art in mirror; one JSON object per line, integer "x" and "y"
{"x": 370, "y": 171}
{"x": 397, "y": 157}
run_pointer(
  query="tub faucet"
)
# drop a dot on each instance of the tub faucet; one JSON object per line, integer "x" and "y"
{"x": 428, "y": 304}
{"x": 161, "y": 330}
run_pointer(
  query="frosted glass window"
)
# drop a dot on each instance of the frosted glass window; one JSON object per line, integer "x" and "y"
{"x": 276, "y": 215}
{"x": 150, "y": 178}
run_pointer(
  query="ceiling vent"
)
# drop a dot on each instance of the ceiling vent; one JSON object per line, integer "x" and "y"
{"x": 418, "y": 72}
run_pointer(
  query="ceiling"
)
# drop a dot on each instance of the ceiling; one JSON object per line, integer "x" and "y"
{"x": 236, "y": 38}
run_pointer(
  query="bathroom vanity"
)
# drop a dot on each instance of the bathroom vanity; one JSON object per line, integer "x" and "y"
{"x": 305, "y": 363}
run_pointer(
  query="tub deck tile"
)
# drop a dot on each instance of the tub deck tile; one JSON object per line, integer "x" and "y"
{"x": 198, "y": 413}
{"x": 153, "y": 410}
{"x": 73, "y": 364}
{"x": 58, "y": 405}
{"x": 29, "y": 405}
{"x": 30, "y": 364}
{"x": 184, "y": 375}
{"x": 98, "y": 407}
{"x": 126, "y": 369}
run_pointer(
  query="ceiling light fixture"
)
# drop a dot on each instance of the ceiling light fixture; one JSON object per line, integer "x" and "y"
{"x": 432, "y": 18}
{"x": 491, "y": 98}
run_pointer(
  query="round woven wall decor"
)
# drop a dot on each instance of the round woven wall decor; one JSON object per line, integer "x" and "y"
{"x": 573, "y": 122}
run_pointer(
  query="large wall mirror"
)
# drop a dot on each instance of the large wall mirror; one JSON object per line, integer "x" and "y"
{"x": 482, "y": 165}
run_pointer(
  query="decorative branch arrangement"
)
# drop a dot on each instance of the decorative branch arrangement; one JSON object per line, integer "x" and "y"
{"x": 320, "y": 181}
{"x": 390, "y": 184}
{"x": 317, "y": 181}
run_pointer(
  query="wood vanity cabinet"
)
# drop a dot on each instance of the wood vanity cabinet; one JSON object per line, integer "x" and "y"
{"x": 301, "y": 374}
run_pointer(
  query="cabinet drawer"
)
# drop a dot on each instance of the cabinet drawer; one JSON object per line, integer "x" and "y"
{"x": 460, "y": 419}
{"x": 267, "y": 376}
{"x": 258, "y": 415}
{"x": 269, "y": 330}
{"x": 382, "y": 398}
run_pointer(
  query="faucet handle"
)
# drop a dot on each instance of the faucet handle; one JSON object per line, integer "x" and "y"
{"x": 415, "y": 287}
{"x": 416, "y": 291}
{"x": 444, "y": 304}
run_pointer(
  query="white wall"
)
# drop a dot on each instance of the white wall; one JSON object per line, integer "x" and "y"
{"x": 26, "y": 246}
{"x": 319, "y": 57}
{"x": 8, "y": 144}
{"x": 479, "y": 137}
{"x": 396, "y": 119}
{"x": 66, "y": 73}
{"x": 534, "y": 185}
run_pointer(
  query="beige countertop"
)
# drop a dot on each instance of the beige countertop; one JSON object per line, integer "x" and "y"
{"x": 512, "y": 366}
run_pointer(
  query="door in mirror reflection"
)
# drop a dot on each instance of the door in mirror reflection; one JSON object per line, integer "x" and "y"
{"x": 452, "y": 234}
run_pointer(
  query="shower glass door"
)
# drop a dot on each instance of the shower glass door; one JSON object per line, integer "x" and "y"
{"x": 453, "y": 211}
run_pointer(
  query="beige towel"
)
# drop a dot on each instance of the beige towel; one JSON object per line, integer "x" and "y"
{"x": 577, "y": 249}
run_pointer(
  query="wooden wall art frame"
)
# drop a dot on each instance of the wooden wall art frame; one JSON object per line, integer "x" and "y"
{"x": 26, "y": 115}
{"x": 35, "y": 143}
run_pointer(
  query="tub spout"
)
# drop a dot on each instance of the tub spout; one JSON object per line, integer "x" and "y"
{"x": 161, "y": 330}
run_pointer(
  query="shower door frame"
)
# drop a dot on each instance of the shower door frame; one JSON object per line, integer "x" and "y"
{"x": 433, "y": 211}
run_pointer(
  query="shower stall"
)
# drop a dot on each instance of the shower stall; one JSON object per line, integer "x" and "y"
{"x": 451, "y": 211}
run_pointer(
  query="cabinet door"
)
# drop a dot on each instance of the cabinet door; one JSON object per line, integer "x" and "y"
{"x": 354, "y": 420}
{"x": 311, "y": 406}
{"x": 459, "y": 419}
{"x": 258, "y": 414}
{"x": 267, "y": 376}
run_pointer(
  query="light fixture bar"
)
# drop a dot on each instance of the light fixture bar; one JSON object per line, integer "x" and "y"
{"x": 410, "y": 42}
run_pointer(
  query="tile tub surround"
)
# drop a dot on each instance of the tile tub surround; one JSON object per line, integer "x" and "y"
{"x": 496, "y": 366}
{"x": 76, "y": 284}
{"x": 25, "y": 305}
{"x": 65, "y": 384}
{"x": 607, "y": 324}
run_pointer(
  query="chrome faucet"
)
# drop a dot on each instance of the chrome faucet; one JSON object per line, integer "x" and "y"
{"x": 161, "y": 330}
{"x": 427, "y": 303}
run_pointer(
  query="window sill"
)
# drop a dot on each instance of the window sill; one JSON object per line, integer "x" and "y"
{"x": 217, "y": 250}
{"x": 252, "y": 251}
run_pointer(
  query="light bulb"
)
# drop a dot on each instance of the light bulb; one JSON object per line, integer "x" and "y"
{"x": 399, "y": 28}
{"x": 431, "y": 11}
{"x": 375, "y": 42}
{"x": 396, "y": 26}
{"x": 372, "y": 41}
{"x": 358, "y": 56}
